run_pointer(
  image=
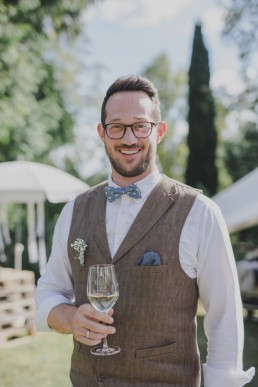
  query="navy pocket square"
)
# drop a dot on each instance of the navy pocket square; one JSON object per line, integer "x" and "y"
{"x": 149, "y": 259}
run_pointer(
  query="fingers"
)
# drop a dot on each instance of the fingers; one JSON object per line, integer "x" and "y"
{"x": 88, "y": 325}
{"x": 88, "y": 311}
{"x": 91, "y": 338}
{"x": 110, "y": 312}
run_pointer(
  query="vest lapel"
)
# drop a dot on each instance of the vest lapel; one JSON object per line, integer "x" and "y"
{"x": 160, "y": 199}
{"x": 99, "y": 222}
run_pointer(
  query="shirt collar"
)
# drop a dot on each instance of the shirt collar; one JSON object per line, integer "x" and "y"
{"x": 146, "y": 184}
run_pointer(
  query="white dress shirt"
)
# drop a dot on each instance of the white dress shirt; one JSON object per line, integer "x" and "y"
{"x": 205, "y": 253}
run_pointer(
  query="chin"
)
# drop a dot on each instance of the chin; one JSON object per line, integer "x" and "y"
{"x": 135, "y": 172}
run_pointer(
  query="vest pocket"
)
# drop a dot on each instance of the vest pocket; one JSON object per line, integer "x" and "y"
{"x": 155, "y": 351}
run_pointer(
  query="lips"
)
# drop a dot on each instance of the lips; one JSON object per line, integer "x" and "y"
{"x": 129, "y": 152}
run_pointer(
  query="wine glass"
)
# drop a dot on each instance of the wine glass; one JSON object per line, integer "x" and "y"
{"x": 102, "y": 292}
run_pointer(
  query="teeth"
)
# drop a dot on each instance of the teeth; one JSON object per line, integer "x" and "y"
{"x": 127, "y": 152}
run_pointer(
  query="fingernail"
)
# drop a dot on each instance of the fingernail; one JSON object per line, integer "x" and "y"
{"x": 113, "y": 330}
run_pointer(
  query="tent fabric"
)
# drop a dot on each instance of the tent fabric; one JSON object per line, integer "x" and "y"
{"x": 239, "y": 202}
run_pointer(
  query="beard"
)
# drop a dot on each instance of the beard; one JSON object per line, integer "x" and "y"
{"x": 137, "y": 170}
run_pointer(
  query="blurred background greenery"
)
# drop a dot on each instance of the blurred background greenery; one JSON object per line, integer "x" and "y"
{"x": 43, "y": 50}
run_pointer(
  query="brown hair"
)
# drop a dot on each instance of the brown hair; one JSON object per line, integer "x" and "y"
{"x": 132, "y": 83}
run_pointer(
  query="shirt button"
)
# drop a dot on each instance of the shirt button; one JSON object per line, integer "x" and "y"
{"x": 100, "y": 378}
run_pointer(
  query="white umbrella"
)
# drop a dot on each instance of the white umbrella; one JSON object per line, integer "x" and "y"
{"x": 33, "y": 183}
{"x": 28, "y": 182}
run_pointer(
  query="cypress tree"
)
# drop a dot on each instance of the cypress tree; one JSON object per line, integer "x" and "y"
{"x": 201, "y": 171}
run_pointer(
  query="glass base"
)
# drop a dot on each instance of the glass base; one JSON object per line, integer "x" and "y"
{"x": 100, "y": 351}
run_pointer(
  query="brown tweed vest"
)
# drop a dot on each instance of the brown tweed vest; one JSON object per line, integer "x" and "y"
{"x": 155, "y": 313}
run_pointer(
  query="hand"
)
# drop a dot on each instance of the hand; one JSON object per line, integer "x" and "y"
{"x": 88, "y": 325}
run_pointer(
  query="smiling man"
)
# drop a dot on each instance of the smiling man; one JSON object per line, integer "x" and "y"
{"x": 170, "y": 247}
{"x": 131, "y": 148}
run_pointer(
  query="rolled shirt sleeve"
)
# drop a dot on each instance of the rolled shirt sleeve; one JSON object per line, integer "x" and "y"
{"x": 230, "y": 378}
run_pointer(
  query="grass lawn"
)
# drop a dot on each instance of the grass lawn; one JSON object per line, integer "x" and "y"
{"x": 45, "y": 361}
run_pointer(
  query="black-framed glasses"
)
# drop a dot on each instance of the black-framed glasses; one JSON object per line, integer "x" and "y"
{"x": 116, "y": 131}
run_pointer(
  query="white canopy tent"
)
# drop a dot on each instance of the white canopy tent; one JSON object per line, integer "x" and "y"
{"x": 239, "y": 202}
{"x": 33, "y": 183}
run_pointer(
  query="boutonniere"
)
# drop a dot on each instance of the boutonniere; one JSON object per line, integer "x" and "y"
{"x": 79, "y": 245}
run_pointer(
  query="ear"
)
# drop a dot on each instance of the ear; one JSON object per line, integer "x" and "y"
{"x": 161, "y": 131}
{"x": 101, "y": 131}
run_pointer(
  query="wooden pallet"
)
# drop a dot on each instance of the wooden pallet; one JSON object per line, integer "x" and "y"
{"x": 250, "y": 303}
{"x": 17, "y": 308}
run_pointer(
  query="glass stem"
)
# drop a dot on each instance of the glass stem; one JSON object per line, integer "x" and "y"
{"x": 105, "y": 344}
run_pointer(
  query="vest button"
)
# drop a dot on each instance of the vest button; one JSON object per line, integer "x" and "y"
{"x": 100, "y": 378}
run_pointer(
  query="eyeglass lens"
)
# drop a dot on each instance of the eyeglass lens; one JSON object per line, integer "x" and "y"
{"x": 140, "y": 129}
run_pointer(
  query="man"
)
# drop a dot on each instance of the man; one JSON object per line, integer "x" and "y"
{"x": 169, "y": 245}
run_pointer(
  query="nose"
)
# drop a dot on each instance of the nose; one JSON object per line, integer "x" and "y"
{"x": 129, "y": 138}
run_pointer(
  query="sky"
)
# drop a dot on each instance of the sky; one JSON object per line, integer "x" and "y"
{"x": 125, "y": 36}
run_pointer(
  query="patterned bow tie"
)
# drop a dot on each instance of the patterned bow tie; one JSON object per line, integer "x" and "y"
{"x": 113, "y": 193}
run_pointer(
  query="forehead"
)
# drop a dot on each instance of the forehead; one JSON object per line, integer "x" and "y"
{"x": 129, "y": 104}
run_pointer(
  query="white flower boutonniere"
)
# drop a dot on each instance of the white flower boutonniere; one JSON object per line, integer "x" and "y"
{"x": 80, "y": 246}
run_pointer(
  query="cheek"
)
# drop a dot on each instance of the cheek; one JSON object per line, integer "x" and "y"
{"x": 152, "y": 144}
{"x": 111, "y": 149}
{"x": 150, "y": 149}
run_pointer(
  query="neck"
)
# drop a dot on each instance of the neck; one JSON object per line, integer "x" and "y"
{"x": 123, "y": 181}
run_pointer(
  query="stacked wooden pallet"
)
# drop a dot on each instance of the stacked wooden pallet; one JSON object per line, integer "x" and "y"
{"x": 17, "y": 307}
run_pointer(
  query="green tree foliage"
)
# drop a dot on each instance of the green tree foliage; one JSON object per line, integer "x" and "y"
{"x": 171, "y": 87}
{"x": 242, "y": 154}
{"x": 33, "y": 118}
{"x": 201, "y": 169}
{"x": 241, "y": 25}
{"x": 168, "y": 84}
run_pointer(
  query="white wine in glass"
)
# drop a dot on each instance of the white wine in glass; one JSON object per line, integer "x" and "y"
{"x": 102, "y": 292}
